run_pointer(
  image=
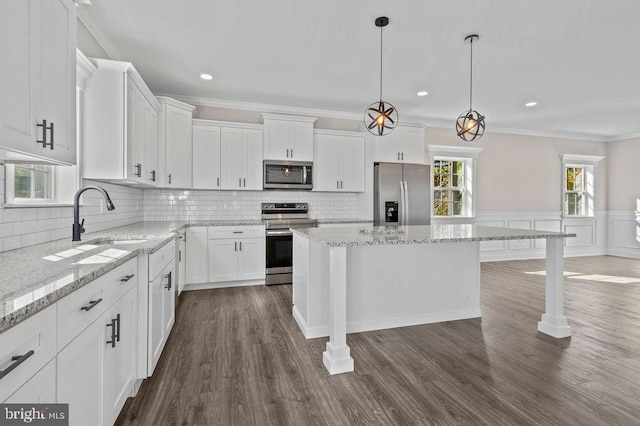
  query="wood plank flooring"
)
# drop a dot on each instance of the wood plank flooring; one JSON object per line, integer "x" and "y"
{"x": 236, "y": 357}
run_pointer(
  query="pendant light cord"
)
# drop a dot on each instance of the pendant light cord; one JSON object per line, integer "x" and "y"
{"x": 381, "y": 63}
{"x": 471, "y": 77}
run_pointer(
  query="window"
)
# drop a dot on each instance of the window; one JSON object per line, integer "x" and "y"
{"x": 448, "y": 187}
{"x": 578, "y": 186}
{"x": 33, "y": 182}
{"x": 453, "y": 174}
{"x": 30, "y": 184}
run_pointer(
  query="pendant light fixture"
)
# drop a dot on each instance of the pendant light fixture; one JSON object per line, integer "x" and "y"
{"x": 381, "y": 117}
{"x": 470, "y": 124}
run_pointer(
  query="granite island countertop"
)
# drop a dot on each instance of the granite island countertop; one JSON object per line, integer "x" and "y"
{"x": 369, "y": 235}
{"x": 35, "y": 277}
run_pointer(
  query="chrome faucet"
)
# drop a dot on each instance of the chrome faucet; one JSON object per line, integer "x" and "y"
{"x": 78, "y": 228}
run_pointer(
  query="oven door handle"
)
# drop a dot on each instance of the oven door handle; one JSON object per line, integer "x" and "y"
{"x": 279, "y": 232}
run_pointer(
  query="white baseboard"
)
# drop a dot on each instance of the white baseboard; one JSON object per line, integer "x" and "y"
{"x": 323, "y": 331}
{"x": 224, "y": 284}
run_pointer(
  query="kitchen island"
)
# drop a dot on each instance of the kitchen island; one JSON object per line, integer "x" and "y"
{"x": 363, "y": 278}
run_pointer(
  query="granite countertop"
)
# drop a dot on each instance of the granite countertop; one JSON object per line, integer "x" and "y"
{"x": 332, "y": 221}
{"x": 369, "y": 235}
{"x": 35, "y": 277}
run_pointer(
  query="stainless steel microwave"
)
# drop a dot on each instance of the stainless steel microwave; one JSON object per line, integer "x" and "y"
{"x": 288, "y": 174}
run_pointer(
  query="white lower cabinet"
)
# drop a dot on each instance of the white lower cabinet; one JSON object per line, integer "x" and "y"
{"x": 236, "y": 253}
{"x": 161, "y": 312}
{"x": 40, "y": 389}
{"x": 197, "y": 255}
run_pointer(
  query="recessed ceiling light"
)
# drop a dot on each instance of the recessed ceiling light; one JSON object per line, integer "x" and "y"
{"x": 530, "y": 104}
{"x": 206, "y": 76}
{"x": 422, "y": 93}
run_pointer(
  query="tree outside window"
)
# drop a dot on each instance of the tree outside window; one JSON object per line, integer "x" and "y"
{"x": 448, "y": 185}
{"x": 575, "y": 191}
{"x": 33, "y": 182}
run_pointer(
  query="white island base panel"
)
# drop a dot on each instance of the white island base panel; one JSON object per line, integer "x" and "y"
{"x": 388, "y": 286}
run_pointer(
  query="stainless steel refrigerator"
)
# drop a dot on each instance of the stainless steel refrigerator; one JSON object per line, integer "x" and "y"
{"x": 402, "y": 194}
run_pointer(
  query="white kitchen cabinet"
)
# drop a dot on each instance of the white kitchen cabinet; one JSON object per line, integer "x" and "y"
{"x": 182, "y": 261}
{"x": 176, "y": 143}
{"x": 288, "y": 137}
{"x": 241, "y": 158}
{"x": 38, "y": 81}
{"x": 39, "y": 389}
{"x": 403, "y": 145}
{"x": 206, "y": 155}
{"x": 236, "y": 253}
{"x": 120, "y": 126}
{"x": 197, "y": 256}
{"x": 339, "y": 162}
{"x": 161, "y": 308}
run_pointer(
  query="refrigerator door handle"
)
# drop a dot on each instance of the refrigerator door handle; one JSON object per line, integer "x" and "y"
{"x": 406, "y": 201}
{"x": 403, "y": 204}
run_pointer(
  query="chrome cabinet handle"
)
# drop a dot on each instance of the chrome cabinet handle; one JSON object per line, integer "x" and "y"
{"x": 340, "y": 184}
{"x": 244, "y": 182}
{"x": 44, "y": 134}
{"x": 240, "y": 182}
{"x": 17, "y": 360}
{"x": 92, "y": 304}
{"x": 240, "y": 245}
{"x": 403, "y": 156}
{"x": 291, "y": 152}
{"x": 287, "y": 152}
{"x": 218, "y": 181}
{"x": 127, "y": 278}
{"x": 235, "y": 246}
{"x": 138, "y": 171}
{"x": 113, "y": 331}
{"x": 337, "y": 184}
{"x": 169, "y": 178}
{"x": 153, "y": 175}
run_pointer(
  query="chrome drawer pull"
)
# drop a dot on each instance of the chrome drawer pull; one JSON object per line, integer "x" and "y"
{"x": 92, "y": 304}
{"x": 17, "y": 361}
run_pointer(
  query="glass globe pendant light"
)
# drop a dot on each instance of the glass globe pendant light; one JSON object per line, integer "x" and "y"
{"x": 381, "y": 117}
{"x": 470, "y": 124}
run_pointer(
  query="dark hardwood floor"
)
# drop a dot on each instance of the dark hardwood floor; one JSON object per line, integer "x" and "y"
{"x": 236, "y": 357}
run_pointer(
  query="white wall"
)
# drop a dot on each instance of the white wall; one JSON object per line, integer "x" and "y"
{"x": 22, "y": 227}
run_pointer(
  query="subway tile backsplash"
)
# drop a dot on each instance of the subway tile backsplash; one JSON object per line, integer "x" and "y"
{"x": 22, "y": 227}
{"x": 168, "y": 205}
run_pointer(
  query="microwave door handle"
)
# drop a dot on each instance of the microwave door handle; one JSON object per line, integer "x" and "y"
{"x": 406, "y": 203}
{"x": 304, "y": 174}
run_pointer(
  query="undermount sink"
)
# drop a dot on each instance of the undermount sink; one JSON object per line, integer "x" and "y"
{"x": 104, "y": 241}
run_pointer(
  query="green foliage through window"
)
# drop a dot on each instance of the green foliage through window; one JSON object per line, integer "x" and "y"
{"x": 448, "y": 184}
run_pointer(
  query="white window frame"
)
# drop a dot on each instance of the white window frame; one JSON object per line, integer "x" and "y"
{"x": 468, "y": 156}
{"x": 589, "y": 164}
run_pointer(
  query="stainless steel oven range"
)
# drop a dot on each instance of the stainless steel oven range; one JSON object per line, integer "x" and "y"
{"x": 278, "y": 218}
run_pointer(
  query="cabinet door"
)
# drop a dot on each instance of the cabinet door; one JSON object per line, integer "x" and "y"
{"x": 253, "y": 164}
{"x": 59, "y": 76}
{"x": 277, "y": 145}
{"x": 151, "y": 144}
{"x": 233, "y": 158}
{"x": 182, "y": 265}
{"x": 156, "y": 330}
{"x": 119, "y": 360}
{"x": 387, "y": 148}
{"x": 302, "y": 141}
{"x": 206, "y": 157}
{"x": 178, "y": 151}
{"x": 39, "y": 389}
{"x": 327, "y": 165}
{"x": 223, "y": 260}
{"x": 411, "y": 141}
{"x": 169, "y": 300}
{"x": 79, "y": 381}
{"x": 251, "y": 259}
{"x": 135, "y": 132}
{"x": 197, "y": 270}
{"x": 353, "y": 161}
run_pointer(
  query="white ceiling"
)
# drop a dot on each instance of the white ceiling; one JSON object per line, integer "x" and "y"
{"x": 577, "y": 58}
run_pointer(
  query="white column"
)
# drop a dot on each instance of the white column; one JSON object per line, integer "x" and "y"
{"x": 337, "y": 358}
{"x": 554, "y": 323}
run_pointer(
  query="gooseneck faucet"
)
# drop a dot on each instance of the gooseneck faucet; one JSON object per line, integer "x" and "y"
{"x": 77, "y": 226}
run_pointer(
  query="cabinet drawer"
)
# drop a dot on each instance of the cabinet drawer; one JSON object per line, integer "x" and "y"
{"x": 80, "y": 308}
{"x": 160, "y": 259}
{"x": 225, "y": 232}
{"x": 40, "y": 389}
{"x": 37, "y": 334}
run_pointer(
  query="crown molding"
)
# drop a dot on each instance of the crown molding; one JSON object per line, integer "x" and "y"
{"x": 84, "y": 68}
{"x": 101, "y": 38}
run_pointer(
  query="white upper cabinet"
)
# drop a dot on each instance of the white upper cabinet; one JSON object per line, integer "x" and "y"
{"x": 288, "y": 137}
{"x": 176, "y": 121}
{"x": 339, "y": 162}
{"x": 241, "y": 158}
{"x": 38, "y": 84}
{"x": 404, "y": 145}
{"x": 120, "y": 126}
{"x": 206, "y": 155}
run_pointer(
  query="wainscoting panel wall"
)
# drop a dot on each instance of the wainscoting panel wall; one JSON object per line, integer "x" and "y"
{"x": 623, "y": 234}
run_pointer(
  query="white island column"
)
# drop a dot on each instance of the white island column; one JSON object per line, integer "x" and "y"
{"x": 554, "y": 323}
{"x": 337, "y": 358}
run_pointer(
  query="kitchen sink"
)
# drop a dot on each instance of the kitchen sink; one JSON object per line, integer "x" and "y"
{"x": 106, "y": 241}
